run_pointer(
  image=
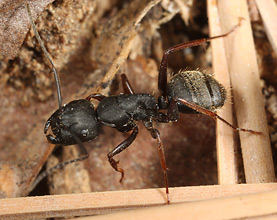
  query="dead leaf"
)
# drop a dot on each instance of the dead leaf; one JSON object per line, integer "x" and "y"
{"x": 15, "y": 24}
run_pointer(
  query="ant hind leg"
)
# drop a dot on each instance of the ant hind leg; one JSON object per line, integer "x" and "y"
{"x": 213, "y": 115}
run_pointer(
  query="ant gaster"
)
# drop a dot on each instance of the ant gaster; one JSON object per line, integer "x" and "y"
{"x": 185, "y": 92}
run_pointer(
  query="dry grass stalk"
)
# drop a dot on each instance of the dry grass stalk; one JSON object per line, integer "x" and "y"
{"x": 268, "y": 11}
{"x": 242, "y": 62}
{"x": 226, "y": 145}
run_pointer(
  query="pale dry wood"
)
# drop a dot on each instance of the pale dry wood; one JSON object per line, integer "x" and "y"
{"x": 268, "y": 11}
{"x": 255, "y": 206}
{"x": 106, "y": 202}
{"x": 225, "y": 136}
{"x": 248, "y": 100}
{"x": 269, "y": 217}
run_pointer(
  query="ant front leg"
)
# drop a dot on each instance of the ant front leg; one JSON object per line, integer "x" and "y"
{"x": 122, "y": 146}
{"x": 210, "y": 113}
{"x": 162, "y": 81}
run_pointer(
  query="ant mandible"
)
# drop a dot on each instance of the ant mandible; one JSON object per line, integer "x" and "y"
{"x": 185, "y": 92}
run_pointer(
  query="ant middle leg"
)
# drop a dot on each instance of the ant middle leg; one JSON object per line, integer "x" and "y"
{"x": 122, "y": 146}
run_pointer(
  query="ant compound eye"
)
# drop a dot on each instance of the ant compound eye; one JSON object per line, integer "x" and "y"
{"x": 85, "y": 132}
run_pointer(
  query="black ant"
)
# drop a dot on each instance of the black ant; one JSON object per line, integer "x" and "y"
{"x": 185, "y": 92}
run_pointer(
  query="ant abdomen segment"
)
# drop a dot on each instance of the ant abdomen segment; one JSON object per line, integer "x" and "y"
{"x": 196, "y": 87}
{"x": 192, "y": 92}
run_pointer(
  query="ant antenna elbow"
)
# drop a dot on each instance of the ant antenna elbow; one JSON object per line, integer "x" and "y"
{"x": 56, "y": 76}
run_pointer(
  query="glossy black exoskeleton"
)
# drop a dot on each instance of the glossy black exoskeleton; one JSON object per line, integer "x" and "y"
{"x": 185, "y": 92}
{"x": 121, "y": 111}
{"x": 78, "y": 116}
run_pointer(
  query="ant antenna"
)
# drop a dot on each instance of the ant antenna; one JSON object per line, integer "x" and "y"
{"x": 57, "y": 79}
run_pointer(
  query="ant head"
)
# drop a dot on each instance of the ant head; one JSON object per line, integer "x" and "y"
{"x": 75, "y": 122}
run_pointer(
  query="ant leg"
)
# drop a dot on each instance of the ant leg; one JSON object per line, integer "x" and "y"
{"x": 82, "y": 156}
{"x": 171, "y": 115}
{"x": 126, "y": 85}
{"x": 156, "y": 135}
{"x": 162, "y": 81}
{"x": 162, "y": 118}
{"x": 96, "y": 96}
{"x": 122, "y": 146}
{"x": 213, "y": 115}
{"x": 173, "y": 111}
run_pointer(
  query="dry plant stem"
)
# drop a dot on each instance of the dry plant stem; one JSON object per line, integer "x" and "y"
{"x": 268, "y": 11}
{"x": 225, "y": 136}
{"x": 249, "y": 105}
{"x": 107, "y": 202}
{"x": 239, "y": 207}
